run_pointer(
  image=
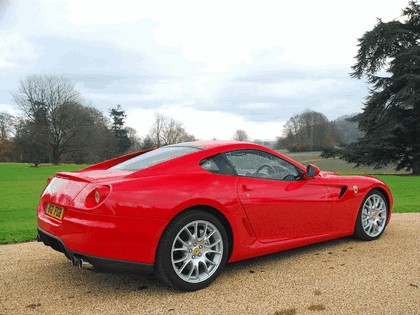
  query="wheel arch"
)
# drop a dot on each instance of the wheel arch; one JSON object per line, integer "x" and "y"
{"x": 387, "y": 199}
{"x": 384, "y": 192}
{"x": 216, "y": 213}
{"x": 369, "y": 192}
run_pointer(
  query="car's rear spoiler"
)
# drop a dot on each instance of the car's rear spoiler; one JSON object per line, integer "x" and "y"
{"x": 110, "y": 163}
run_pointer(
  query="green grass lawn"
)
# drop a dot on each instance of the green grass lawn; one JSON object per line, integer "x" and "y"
{"x": 21, "y": 186}
{"x": 337, "y": 165}
{"x": 405, "y": 190}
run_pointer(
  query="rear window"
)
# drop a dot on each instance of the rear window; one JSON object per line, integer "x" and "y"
{"x": 153, "y": 158}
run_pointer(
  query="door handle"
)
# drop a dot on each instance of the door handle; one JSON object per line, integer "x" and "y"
{"x": 245, "y": 188}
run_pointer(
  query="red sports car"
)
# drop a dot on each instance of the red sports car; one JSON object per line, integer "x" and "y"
{"x": 185, "y": 210}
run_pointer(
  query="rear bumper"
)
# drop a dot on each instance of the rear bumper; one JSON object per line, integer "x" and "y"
{"x": 98, "y": 262}
{"x": 117, "y": 238}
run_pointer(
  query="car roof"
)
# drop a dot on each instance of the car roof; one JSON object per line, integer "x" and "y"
{"x": 215, "y": 144}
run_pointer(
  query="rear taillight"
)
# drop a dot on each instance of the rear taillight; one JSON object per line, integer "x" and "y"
{"x": 96, "y": 196}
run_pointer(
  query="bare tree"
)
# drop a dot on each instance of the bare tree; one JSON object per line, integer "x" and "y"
{"x": 240, "y": 135}
{"x": 157, "y": 129}
{"x": 167, "y": 130}
{"x": 7, "y": 130}
{"x": 50, "y": 105}
{"x": 6, "y": 126}
{"x": 30, "y": 144}
{"x": 99, "y": 145}
{"x": 134, "y": 139}
{"x": 309, "y": 131}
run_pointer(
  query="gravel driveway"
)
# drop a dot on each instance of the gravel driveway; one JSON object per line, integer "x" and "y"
{"x": 338, "y": 277}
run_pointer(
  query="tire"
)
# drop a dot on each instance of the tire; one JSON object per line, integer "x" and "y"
{"x": 372, "y": 218}
{"x": 192, "y": 251}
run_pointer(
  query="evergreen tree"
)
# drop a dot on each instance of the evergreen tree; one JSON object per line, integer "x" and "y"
{"x": 391, "y": 117}
{"x": 118, "y": 117}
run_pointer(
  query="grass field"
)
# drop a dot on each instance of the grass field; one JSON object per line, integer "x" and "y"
{"x": 405, "y": 190}
{"x": 337, "y": 165}
{"x": 21, "y": 186}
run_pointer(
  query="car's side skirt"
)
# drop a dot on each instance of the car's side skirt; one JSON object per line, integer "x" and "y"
{"x": 260, "y": 249}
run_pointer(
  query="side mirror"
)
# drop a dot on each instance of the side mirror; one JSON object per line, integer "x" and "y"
{"x": 312, "y": 170}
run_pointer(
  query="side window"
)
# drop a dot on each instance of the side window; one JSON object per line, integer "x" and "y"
{"x": 260, "y": 164}
{"x": 210, "y": 165}
{"x": 217, "y": 165}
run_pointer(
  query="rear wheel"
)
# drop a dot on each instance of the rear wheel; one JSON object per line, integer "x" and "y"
{"x": 372, "y": 217}
{"x": 192, "y": 251}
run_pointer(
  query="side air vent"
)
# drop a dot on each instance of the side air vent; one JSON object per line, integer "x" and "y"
{"x": 343, "y": 191}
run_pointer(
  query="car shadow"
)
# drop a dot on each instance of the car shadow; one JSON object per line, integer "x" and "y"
{"x": 314, "y": 249}
{"x": 91, "y": 281}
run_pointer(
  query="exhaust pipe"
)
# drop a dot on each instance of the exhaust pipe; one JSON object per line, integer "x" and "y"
{"x": 80, "y": 263}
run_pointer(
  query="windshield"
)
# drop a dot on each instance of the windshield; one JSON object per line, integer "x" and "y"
{"x": 154, "y": 157}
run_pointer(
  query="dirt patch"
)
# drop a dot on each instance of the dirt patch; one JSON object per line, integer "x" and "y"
{"x": 338, "y": 277}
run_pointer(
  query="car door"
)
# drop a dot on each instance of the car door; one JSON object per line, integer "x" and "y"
{"x": 279, "y": 205}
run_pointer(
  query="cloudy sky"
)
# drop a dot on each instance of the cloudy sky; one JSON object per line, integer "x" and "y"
{"x": 216, "y": 66}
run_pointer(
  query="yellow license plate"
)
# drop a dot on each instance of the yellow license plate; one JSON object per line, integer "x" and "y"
{"x": 54, "y": 211}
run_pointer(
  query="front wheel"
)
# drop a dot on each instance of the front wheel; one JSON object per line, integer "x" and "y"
{"x": 372, "y": 217}
{"x": 192, "y": 251}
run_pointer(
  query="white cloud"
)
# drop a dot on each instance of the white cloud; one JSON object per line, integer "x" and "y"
{"x": 299, "y": 88}
{"x": 221, "y": 34}
{"x": 97, "y": 12}
{"x": 15, "y": 50}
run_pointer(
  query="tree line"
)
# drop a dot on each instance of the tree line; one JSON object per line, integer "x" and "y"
{"x": 58, "y": 126}
{"x": 312, "y": 131}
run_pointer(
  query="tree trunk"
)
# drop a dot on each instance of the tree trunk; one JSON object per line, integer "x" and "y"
{"x": 55, "y": 156}
{"x": 416, "y": 165}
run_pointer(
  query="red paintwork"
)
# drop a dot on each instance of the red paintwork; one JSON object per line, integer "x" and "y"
{"x": 264, "y": 216}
